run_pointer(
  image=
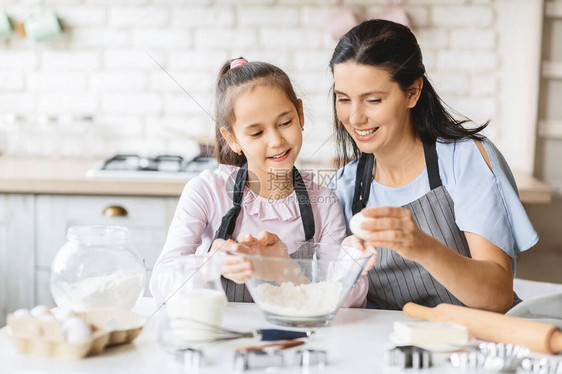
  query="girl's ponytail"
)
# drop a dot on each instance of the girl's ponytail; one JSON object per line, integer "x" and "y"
{"x": 225, "y": 155}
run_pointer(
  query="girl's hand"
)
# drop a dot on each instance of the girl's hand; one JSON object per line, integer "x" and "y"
{"x": 237, "y": 269}
{"x": 395, "y": 228}
{"x": 358, "y": 243}
{"x": 266, "y": 244}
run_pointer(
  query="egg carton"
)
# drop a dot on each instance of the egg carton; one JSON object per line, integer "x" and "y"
{"x": 46, "y": 337}
{"x": 123, "y": 326}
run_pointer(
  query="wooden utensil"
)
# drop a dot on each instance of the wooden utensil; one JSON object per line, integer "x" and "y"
{"x": 279, "y": 345}
{"x": 495, "y": 327}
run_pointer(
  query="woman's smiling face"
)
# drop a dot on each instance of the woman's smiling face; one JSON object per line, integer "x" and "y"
{"x": 374, "y": 110}
{"x": 267, "y": 128}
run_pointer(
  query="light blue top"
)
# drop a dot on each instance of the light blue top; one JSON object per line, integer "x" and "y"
{"x": 485, "y": 202}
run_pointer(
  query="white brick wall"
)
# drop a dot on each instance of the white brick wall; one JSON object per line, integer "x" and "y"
{"x": 203, "y": 17}
{"x": 224, "y": 38}
{"x": 20, "y": 60}
{"x": 467, "y": 61}
{"x": 70, "y": 60}
{"x": 82, "y": 16}
{"x": 102, "y": 68}
{"x": 64, "y": 103}
{"x": 138, "y": 16}
{"x": 124, "y": 80}
{"x": 132, "y": 59}
{"x": 270, "y": 16}
{"x": 56, "y": 81}
{"x": 131, "y": 103}
{"x": 473, "y": 38}
{"x": 152, "y": 37}
{"x": 455, "y": 16}
{"x": 192, "y": 81}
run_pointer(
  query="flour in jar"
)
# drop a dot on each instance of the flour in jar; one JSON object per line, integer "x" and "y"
{"x": 305, "y": 300}
{"x": 117, "y": 290}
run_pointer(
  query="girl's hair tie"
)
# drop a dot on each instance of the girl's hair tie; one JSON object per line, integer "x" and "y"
{"x": 238, "y": 62}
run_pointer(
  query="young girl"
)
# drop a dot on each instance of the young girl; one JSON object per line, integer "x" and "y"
{"x": 441, "y": 203}
{"x": 256, "y": 189}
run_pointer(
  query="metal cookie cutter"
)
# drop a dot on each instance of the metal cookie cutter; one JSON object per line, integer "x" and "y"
{"x": 542, "y": 365}
{"x": 258, "y": 359}
{"x": 191, "y": 358}
{"x": 311, "y": 358}
{"x": 409, "y": 356}
{"x": 497, "y": 357}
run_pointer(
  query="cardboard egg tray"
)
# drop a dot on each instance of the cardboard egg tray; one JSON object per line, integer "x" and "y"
{"x": 46, "y": 337}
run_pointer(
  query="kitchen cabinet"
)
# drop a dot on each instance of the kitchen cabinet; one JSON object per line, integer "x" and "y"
{"x": 17, "y": 255}
{"x": 33, "y": 228}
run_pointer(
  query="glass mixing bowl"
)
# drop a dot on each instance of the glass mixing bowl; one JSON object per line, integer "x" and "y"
{"x": 307, "y": 287}
{"x": 97, "y": 269}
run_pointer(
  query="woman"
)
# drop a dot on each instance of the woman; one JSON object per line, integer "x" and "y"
{"x": 441, "y": 203}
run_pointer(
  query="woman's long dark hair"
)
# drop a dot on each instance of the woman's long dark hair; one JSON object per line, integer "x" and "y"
{"x": 394, "y": 48}
{"x": 230, "y": 83}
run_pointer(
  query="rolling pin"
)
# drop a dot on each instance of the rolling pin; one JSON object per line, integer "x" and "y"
{"x": 495, "y": 327}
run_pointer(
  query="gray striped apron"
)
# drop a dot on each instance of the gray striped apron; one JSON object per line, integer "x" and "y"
{"x": 238, "y": 292}
{"x": 394, "y": 281}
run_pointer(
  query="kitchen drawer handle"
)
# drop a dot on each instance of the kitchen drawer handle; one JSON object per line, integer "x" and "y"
{"x": 115, "y": 211}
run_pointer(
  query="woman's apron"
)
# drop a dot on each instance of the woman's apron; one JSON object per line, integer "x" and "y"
{"x": 394, "y": 281}
{"x": 238, "y": 292}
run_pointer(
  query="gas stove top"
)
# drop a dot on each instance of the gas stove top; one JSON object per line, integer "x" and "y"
{"x": 160, "y": 167}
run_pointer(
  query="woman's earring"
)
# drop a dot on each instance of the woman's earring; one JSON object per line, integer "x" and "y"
{"x": 302, "y": 128}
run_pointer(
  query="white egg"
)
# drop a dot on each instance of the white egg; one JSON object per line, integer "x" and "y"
{"x": 39, "y": 311}
{"x": 47, "y": 317}
{"x": 355, "y": 225}
{"x": 76, "y": 330}
{"x": 21, "y": 313}
{"x": 62, "y": 314}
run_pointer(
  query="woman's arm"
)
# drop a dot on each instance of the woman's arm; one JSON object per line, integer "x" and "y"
{"x": 483, "y": 281}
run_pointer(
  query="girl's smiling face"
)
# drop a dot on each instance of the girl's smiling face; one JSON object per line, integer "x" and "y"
{"x": 267, "y": 128}
{"x": 374, "y": 110}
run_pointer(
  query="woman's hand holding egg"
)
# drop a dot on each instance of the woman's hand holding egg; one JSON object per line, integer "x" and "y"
{"x": 393, "y": 228}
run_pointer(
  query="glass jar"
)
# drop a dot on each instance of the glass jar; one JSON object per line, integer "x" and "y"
{"x": 97, "y": 269}
{"x": 196, "y": 302}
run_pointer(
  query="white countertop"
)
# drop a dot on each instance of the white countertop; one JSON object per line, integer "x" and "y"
{"x": 67, "y": 176}
{"x": 355, "y": 343}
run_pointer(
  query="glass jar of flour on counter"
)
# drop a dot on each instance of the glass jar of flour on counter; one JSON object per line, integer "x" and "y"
{"x": 97, "y": 269}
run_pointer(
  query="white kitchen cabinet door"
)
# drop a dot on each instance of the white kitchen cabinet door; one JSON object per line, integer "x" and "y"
{"x": 17, "y": 256}
{"x": 44, "y": 296}
{"x": 147, "y": 219}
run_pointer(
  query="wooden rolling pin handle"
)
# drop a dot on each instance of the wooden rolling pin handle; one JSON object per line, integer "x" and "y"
{"x": 555, "y": 340}
{"x": 495, "y": 327}
{"x": 413, "y": 310}
{"x": 279, "y": 345}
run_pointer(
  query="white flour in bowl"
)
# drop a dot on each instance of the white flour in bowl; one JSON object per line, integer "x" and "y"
{"x": 118, "y": 290}
{"x": 305, "y": 300}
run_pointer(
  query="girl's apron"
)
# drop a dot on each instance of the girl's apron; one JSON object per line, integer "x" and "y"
{"x": 394, "y": 281}
{"x": 238, "y": 292}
